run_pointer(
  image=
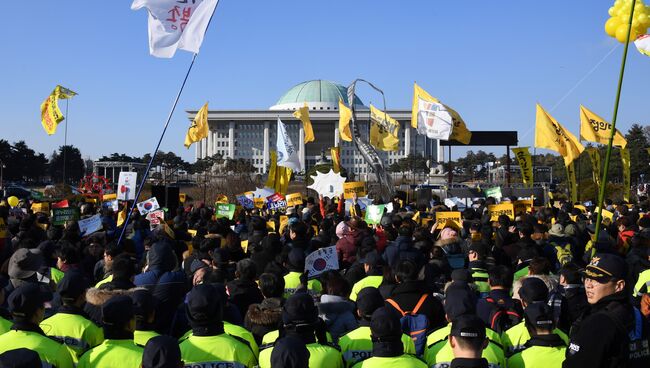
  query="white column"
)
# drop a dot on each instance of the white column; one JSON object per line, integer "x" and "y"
{"x": 204, "y": 147}
{"x": 336, "y": 136}
{"x": 266, "y": 145}
{"x": 439, "y": 151}
{"x": 301, "y": 144}
{"x": 407, "y": 139}
{"x": 197, "y": 151}
{"x": 210, "y": 143}
{"x": 231, "y": 139}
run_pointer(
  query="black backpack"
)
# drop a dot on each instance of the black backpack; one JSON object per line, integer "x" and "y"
{"x": 502, "y": 316}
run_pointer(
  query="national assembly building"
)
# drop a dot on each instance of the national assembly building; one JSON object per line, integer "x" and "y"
{"x": 251, "y": 134}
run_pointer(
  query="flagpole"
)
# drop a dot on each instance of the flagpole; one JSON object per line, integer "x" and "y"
{"x": 153, "y": 156}
{"x": 601, "y": 194}
{"x": 65, "y": 139}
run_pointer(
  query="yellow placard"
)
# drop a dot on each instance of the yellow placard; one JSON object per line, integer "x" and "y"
{"x": 523, "y": 206}
{"x": 284, "y": 221}
{"x": 573, "y": 218}
{"x": 580, "y": 207}
{"x": 270, "y": 226}
{"x": 352, "y": 187}
{"x": 182, "y": 197}
{"x": 258, "y": 202}
{"x": 43, "y": 207}
{"x": 244, "y": 246}
{"x": 109, "y": 197}
{"x": 606, "y": 214}
{"x": 442, "y": 217}
{"x": 191, "y": 232}
{"x": 294, "y": 199}
{"x": 497, "y": 210}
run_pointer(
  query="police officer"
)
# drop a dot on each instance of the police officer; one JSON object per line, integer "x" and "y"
{"x": 5, "y": 316}
{"x": 26, "y": 307}
{"x": 118, "y": 350}
{"x": 162, "y": 352}
{"x": 70, "y": 325}
{"x": 145, "y": 312}
{"x": 477, "y": 266}
{"x": 209, "y": 343}
{"x": 545, "y": 348}
{"x": 356, "y": 345}
{"x": 600, "y": 337}
{"x": 20, "y": 358}
{"x": 300, "y": 319}
{"x": 387, "y": 345}
{"x": 468, "y": 340}
{"x": 374, "y": 277}
{"x": 296, "y": 264}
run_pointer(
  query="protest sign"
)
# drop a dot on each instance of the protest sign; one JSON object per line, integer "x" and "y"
{"x": 259, "y": 202}
{"x": 90, "y": 225}
{"x": 494, "y": 193}
{"x": 606, "y": 214}
{"x": 497, "y": 210}
{"x": 155, "y": 218}
{"x": 523, "y": 206}
{"x": 226, "y": 210}
{"x": 580, "y": 207}
{"x": 442, "y": 217}
{"x": 245, "y": 202}
{"x": 147, "y": 206}
{"x": 182, "y": 197}
{"x": 284, "y": 221}
{"x": 244, "y": 245}
{"x": 374, "y": 214}
{"x": 114, "y": 204}
{"x": 43, "y": 207}
{"x": 61, "y": 215}
{"x": 126, "y": 186}
{"x": 109, "y": 197}
{"x": 276, "y": 201}
{"x": 350, "y": 188}
{"x": 321, "y": 260}
{"x": 62, "y": 204}
{"x": 191, "y": 232}
{"x": 294, "y": 199}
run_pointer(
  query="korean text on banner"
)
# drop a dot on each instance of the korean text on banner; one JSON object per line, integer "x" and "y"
{"x": 443, "y": 216}
{"x": 358, "y": 187}
{"x": 523, "y": 206}
{"x": 245, "y": 202}
{"x": 126, "y": 186}
{"x": 155, "y": 218}
{"x": 226, "y": 210}
{"x": 525, "y": 162}
{"x": 321, "y": 260}
{"x": 572, "y": 184}
{"x": 384, "y": 130}
{"x": 593, "y": 128}
{"x": 494, "y": 193}
{"x": 497, "y": 210}
{"x": 374, "y": 214}
{"x": 43, "y": 207}
{"x": 594, "y": 157}
{"x": 276, "y": 201}
{"x": 294, "y": 199}
{"x": 90, "y": 225}
{"x": 61, "y": 215}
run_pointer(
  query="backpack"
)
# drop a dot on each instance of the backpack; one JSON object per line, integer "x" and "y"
{"x": 503, "y": 317}
{"x": 414, "y": 324}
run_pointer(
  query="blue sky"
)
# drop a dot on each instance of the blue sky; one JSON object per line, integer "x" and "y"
{"x": 491, "y": 61}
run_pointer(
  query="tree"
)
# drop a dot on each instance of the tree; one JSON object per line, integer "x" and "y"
{"x": 120, "y": 157}
{"x": 206, "y": 163}
{"x": 637, "y": 142}
{"x": 21, "y": 162}
{"x": 74, "y": 164}
{"x": 475, "y": 165}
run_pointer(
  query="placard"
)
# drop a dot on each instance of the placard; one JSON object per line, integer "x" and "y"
{"x": 245, "y": 201}
{"x": 259, "y": 202}
{"x": 493, "y": 192}
{"x": 62, "y": 215}
{"x": 155, "y": 218}
{"x": 523, "y": 206}
{"x": 90, "y": 225}
{"x": 374, "y": 214}
{"x": 322, "y": 260}
{"x": 497, "y": 210}
{"x": 126, "y": 185}
{"x": 443, "y": 216}
{"x": 294, "y": 199}
{"x": 43, "y": 207}
{"x": 358, "y": 187}
{"x": 226, "y": 210}
{"x": 276, "y": 201}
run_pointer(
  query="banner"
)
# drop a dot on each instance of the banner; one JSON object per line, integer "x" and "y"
{"x": 336, "y": 158}
{"x": 384, "y": 130}
{"x": 625, "y": 160}
{"x": 287, "y": 154}
{"x": 551, "y": 135}
{"x": 90, "y": 225}
{"x": 126, "y": 186}
{"x": 523, "y": 206}
{"x": 226, "y": 210}
{"x": 114, "y": 205}
{"x": 324, "y": 259}
{"x": 302, "y": 114}
{"x": 358, "y": 187}
{"x": 176, "y": 24}
{"x": 155, "y": 218}
{"x": 147, "y": 206}
{"x": 279, "y": 176}
{"x": 276, "y": 201}
{"x": 525, "y": 164}
{"x": 199, "y": 129}
{"x": 245, "y": 202}
{"x": 594, "y": 157}
{"x": 294, "y": 199}
{"x": 593, "y": 128}
{"x": 374, "y": 214}
{"x": 345, "y": 114}
{"x": 494, "y": 193}
{"x": 443, "y": 217}
{"x": 572, "y": 185}
{"x": 497, "y": 210}
{"x": 43, "y": 207}
{"x": 62, "y": 215}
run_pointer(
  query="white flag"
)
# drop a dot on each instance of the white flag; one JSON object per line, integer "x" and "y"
{"x": 434, "y": 120}
{"x": 176, "y": 24}
{"x": 287, "y": 154}
{"x": 149, "y": 205}
{"x": 321, "y": 260}
{"x": 643, "y": 44}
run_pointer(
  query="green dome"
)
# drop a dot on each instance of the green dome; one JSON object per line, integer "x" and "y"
{"x": 319, "y": 95}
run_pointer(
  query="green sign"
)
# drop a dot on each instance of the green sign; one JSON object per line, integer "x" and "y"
{"x": 374, "y": 214}
{"x": 493, "y": 192}
{"x": 61, "y": 215}
{"x": 225, "y": 210}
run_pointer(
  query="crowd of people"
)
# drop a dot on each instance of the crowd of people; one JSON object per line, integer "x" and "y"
{"x": 539, "y": 290}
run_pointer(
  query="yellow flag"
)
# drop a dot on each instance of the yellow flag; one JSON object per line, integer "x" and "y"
{"x": 303, "y": 115}
{"x": 279, "y": 176}
{"x": 345, "y": 114}
{"x": 273, "y": 166}
{"x": 51, "y": 116}
{"x": 199, "y": 128}
{"x": 64, "y": 93}
{"x": 525, "y": 164}
{"x": 593, "y": 128}
{"x": 384, "y": 130}
{"x": 625, "y": 159}
{"x": 594, "y": 156}
{"x": 572, "y": 185}
{"x": 459, "y": 132}
{"x": 336, "y": 158}
{"x": 121, "y": 216}
{"x": 551, "y": 135}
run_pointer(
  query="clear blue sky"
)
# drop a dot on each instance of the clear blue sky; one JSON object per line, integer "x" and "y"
{"x": 491, "y": 61}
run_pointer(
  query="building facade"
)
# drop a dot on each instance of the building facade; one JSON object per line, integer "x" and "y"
{"x": 251, "y": 134}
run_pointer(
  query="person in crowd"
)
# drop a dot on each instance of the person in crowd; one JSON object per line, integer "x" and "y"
{"x": 373, "y": 271}
{"x": 335, "y": 309}
{"x": 293, "y": 280}
{"x": 468, "y": 340}
{"x": 290, "y": 352}
{"x": 498, "y": 310}
{"x": 266, "y": 316}
{"x": 144, "y": 308}
{"x": 20, "y": 358}
{"x": 243, "y": 290}
{"x": 162, "y": 352}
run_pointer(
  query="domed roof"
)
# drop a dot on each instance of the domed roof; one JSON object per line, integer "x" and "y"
{"x": 319, "y": 95}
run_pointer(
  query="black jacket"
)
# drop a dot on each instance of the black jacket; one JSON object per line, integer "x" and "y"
{"x": 244, "y": 293}
{"x": 408, "y": 293}
{"x": 264, "y": 317}
{"x": 469, "y": 363}
{"x": 599, "y": 338}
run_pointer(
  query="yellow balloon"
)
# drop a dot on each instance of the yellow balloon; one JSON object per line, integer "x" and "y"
{"x": 612, "y": 11}
{"x": 621, "y": 33}
{"x": 611, "y": 25}
{"x": 13, "y": 201}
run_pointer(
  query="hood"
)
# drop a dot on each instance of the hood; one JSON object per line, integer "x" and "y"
{"x": 331, "y": 305}
{"x": 97, "y": 297}
{"x": 161, "y": 257}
